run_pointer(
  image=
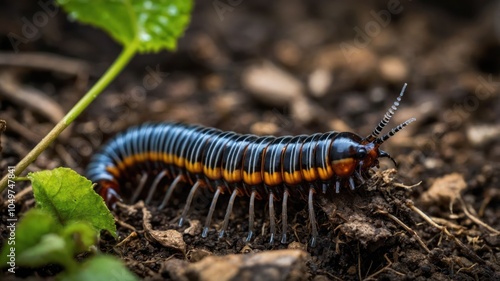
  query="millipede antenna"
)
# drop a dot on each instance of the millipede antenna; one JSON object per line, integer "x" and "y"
{"x": 387, "y": 117}
{"x": 394, "y": 131}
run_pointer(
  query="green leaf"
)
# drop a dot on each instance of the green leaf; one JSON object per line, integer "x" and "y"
{"x": 67, "y": 196}
{"x": 51, "y": 249}
{"x": 155, "y": 24}
{"x": 80, "y": 235}
{"x": 100, "y": 268}
{"x": 41, "y": 240}
{"x": 28, "y": 233}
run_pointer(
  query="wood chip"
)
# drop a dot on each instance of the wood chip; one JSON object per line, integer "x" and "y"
{"x": 196, "y": 255}
{"x": 168, "y": 238}
{"x": 269, "y": 265}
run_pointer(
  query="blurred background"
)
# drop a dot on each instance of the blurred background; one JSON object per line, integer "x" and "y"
{"x": 266, "y": 67}
{"x": 273, "y": 67}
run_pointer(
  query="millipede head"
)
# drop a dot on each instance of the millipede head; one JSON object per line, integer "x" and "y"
{"x": 373, "y": 141}
{"x": 351, "y": 154}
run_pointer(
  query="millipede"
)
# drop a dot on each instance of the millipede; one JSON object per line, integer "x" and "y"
{"x": 259, "y": 167}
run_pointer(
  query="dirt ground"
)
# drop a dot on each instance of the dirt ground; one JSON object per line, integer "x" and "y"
{"x": 287, "y": 68}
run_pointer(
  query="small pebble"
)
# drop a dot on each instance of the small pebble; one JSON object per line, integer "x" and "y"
{"x": 270, "y": 265}
{"x": 378, "y": 94}
{"x": 393, "y": 69}
{"x": 303, "y": 111}
{"x": 481, "y": 134}
{"x": 213, "y": 82}
{"x": 297, "y": 246}
{"x": 196, "y": 255}
{"x": 320, "y": 278}
{"x": 319, "y": 82}
{"x": 433, "y": 163}
{"x": 224, "y": 103}
{"x": 287, "y": 52}
{"x": 339, "y": 125}
{"x": 264, "y": 128}
{"x": 492, "y": 240}
{"x": 271, "y": 85}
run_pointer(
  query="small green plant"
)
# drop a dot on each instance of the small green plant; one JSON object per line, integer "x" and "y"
{"x": 67, "y": 196}
{"x": 67, "y": 220}
{"x": 142, "y": 26}
{"x": 69, "y": 214}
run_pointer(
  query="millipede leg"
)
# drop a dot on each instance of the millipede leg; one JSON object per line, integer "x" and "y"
{"x": 351, "y": 183}
{"x": 157, "y": 180}
{"x": 229, "y": 210}
{"x": 142, "y": 183}
{"x": 324, "y": 187}
{"x": 359, "y": 177}
{"x": 110, "y": 196}
{"x": 211, "y": 212}
{"x": 284, "y": 217}
{"x": 337, "y": 186}
{"x": 251, "y": 216}
{"x": 272, "y": 218}
{"x": 170, "y": 190}
{"x": 312, "y": 218}
{"x": 188, "y": 202}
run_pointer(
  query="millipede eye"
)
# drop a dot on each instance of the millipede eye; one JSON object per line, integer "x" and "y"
{"x": 362, "y": 152}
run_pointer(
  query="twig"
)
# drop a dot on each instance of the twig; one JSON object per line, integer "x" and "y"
{"x": 19, "y": 195}
{"x": 3, "y": 125}
{"x": 406, "y": 186}
{"x": 45, "y": 61}
{"x": 445, "y": 231}
{"x": 407, "y": 228}
{"x": 387, "y": 267}
{"x": 29, "y": 97}
{"x": 329, "y": 275}
{"x": 359, "y": 264}
{"x": 467, "y": 268}
{"x": 488, "y": 196}
{"x": 65, "y": 155}
{"x": 126, "y": 225}
{"x": 487, "y": 199}
{"x": 449, "y": 224}
{"x": 15, "y": 126}
{"x": 476, "y": 220}
{"x": 131, "y": 236}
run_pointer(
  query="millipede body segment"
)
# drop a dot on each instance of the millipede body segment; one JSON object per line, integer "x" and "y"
{"x": 259, "y": 167}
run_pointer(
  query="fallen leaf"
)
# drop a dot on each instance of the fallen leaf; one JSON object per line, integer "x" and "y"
{"x": 445, "y": 190}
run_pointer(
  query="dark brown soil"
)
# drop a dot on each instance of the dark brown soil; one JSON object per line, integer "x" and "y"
{"x": 345, "y": 64}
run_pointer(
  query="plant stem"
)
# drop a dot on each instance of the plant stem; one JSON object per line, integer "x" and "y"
{"x": 103, "y": 82}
